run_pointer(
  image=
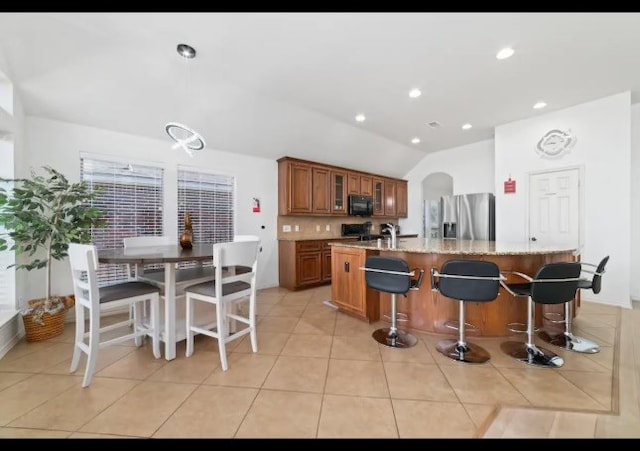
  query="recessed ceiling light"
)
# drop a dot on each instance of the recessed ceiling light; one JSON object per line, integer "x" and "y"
{"x": 539, "y": 105}
{"x": 186, "y": 51}
{"x": 466, "y": 126}
{"x": 360, "y": 118}
{"x": 415, "y": 93}
{"x": 415, "y": 140}
{"x": 505, "y": 53}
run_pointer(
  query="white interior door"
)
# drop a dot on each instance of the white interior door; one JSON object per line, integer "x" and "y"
{"x": 554, "y": 207}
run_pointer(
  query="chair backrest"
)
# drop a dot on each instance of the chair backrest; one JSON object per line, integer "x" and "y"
{"x": 145, "y": 241}
{"x": 246, "y": 238}
{"x": 236, "y": 253}
{"x": 546, "y": 291}
{"x": 479, "y": 281}
{"x": 596, "y": 283}
{"x": 388, "y": 282}
{"x": 83, "y": 259}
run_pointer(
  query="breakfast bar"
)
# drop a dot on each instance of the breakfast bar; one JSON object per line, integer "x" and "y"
{"x": 425, "y": 310}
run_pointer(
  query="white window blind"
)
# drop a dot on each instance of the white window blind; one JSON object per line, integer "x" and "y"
{"x": 131, "y": 204}
{"x": 209, "y": 199}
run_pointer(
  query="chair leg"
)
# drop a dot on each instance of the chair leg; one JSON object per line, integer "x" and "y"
{"x": 252, "y": 322}
{"x": 94, "y": 345}
{"x": 460, "y": 349}
{"x": 75, "y": 360}
{"x": 189, "y": 321}
{"x": 222, "y": 334}
{"x": 566, "y": 339}
{"x": 391, "y": 336}
{"x": 155, "y": 324}
{"x": 528, "y": 352}
{"x": 137, "y": 323}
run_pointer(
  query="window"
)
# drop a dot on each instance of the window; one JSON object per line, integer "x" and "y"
{"x": 209, "y": 199}
{"x": 131, "y": 203}
{"x": 7, "y": 258}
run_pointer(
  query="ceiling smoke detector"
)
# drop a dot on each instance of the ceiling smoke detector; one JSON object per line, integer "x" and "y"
{"x": 434, "y": 124}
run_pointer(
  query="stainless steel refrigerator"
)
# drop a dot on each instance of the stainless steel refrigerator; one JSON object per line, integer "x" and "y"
{"x": 468, "y": 216}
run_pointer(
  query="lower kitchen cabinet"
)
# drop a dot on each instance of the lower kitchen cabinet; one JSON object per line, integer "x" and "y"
{"x": 304, "y": 263}
{"x": 349, "y": 290}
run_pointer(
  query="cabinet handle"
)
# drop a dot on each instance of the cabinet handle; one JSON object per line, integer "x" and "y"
{"x": 346, "y": 266}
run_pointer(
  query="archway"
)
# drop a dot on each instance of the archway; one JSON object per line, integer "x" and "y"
{"x": 434, "y": 186}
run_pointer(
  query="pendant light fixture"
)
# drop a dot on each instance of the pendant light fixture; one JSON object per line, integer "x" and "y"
{"x": 185, "y": 137}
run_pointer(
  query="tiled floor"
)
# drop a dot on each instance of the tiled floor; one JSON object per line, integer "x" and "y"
{"x": 319, "y": 373}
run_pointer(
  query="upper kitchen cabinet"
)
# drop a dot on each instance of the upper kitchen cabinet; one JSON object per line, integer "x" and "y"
{"x": 338, "y": 192}
{"x": 314, "y": 189}
{"x": 295, "y": 188}
{"x": 378, "y": 197}
{"x": 401, "y": 199}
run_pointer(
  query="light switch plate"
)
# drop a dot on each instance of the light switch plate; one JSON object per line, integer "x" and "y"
{"x": 328, "y": 227}
{"x": 317, "y": 228}
{"x": 297, "y": 227}
{"x": 286, "y": 228}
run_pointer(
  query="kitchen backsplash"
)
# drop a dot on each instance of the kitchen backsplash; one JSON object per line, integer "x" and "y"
{"x": 309, "y": 227}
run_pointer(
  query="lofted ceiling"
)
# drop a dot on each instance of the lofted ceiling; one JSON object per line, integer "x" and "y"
{"x": 276, "y": 84}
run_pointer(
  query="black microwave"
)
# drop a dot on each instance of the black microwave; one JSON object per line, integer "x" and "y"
{"x": 360, "y": 205}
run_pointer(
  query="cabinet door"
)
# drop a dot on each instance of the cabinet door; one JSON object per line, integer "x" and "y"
{"x": 390, "y": 198}
{"x": 353, "y": 183}
{"x": 366, "y": 185}
{"x": 338, "y": 192}
{"x": 300, "y": 188}
{"x": 321, "y": 190}
{"x": 326, "y": 266}
{"x": 378, "y": 197}
{"x": 347, "y": 281}
{"x": 309, "y": 268}
{"x": 401, "y": 199}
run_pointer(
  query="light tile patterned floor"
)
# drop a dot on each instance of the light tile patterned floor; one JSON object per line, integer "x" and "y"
{"x": 318, "y": 373}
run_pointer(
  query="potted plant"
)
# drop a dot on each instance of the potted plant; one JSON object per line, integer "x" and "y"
{"x": 40, "y": 216}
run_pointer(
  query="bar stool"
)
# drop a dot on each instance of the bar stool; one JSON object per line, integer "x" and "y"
{"x": 566, "y": 339}
{"x": 466, "y": 281}
{"x": 392, "y": 275}
{"x": 554, "y": 283}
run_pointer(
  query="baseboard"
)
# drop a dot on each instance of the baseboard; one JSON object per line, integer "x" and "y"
{"x": 11, "y": 331}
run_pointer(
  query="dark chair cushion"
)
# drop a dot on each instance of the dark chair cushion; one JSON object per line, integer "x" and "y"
{"x": 126, "y": 290}
{"x": 556, "y": 292}
{"x": 208, "y": 288}
{"x": 585, "y": 284}
{"x": 521, "y": 289}
{"x": 385, "y": 282}
{"x": 472, "y": 290}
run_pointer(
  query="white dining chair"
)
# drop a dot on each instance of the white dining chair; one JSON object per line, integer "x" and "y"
{"x": 83, "y": 259}
{"x": 246, "y": 238}
{"x": 225, "y": 291}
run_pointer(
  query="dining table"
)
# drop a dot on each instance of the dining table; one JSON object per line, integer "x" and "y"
{"x": 169, "y": 279}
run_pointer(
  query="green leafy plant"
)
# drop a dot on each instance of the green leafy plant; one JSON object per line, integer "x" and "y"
{"x": 41, "y": 216}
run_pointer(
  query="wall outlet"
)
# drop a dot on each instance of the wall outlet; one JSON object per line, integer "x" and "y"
{"x": 317, "y": 228}
{"x": 297, "y": 227}
{"x": 286, "y": 228}
{"x": 328, "y": 227}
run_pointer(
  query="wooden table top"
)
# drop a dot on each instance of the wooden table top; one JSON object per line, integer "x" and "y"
{"x": 156, "y": 254}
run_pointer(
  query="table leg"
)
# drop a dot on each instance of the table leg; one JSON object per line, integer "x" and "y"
{"x": 169, "y": 311}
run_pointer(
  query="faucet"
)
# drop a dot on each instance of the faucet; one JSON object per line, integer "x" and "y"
{"x": 392, "y": 230}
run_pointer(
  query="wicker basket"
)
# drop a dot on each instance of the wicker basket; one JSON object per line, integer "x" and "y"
{"x": 52, "y": 327}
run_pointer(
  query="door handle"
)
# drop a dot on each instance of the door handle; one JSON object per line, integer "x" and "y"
{"x": 533, "y": 238}
{"x": 346, "y": 266}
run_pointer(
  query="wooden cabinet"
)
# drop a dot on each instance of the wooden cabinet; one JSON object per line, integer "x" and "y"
{"x": 338, "y": 192}
{"x": 390, "y": 198}
{"x": 321, "y": 198}
{"x": 304, "y": 263}
{"x": 306, "y": 188}
{"x": 349, "y": 291}
{"x": 401, "y": 199}
{"x": 378, "y": 197}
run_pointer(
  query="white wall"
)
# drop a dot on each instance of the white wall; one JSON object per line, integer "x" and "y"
{"x": 471, "y": 167}
{"x": 59, "y": 145}
{"x": 603, "y": 131}
{"x": 635, "y": 201}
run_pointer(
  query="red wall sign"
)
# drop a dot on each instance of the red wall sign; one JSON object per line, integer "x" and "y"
{"x": 509, "y": 186}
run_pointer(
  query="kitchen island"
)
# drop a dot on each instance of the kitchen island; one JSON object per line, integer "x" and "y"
{"x": 424, "y": 310}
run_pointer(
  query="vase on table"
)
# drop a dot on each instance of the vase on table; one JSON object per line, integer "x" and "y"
{"x": 186, "y": 239}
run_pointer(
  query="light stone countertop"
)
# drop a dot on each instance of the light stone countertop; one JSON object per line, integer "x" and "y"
{"x": 462, "y": 247}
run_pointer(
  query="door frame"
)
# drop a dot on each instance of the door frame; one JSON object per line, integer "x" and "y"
{"x": 581, "y": 199}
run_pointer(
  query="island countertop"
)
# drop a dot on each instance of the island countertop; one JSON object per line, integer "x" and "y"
{"x": 461, "y": 247}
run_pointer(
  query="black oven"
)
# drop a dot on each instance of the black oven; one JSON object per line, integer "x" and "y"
{"x": 360, "y": 205}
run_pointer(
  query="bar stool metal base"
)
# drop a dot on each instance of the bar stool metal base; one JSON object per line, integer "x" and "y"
{"x": 532, "y": 355}
{"x": 395, "y": 339}
{"x": 570, "y": 342}
{"x": 469, "y": 353}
